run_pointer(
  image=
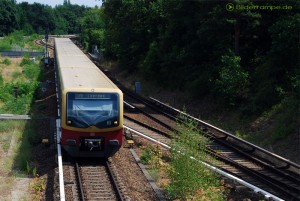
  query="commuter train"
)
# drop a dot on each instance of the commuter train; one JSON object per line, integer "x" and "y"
{"x": 91, "y": 105}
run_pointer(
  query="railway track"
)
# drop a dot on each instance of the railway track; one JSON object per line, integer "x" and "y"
{"x": 147, "y": 110}
{"x": 150, "y": 131}
{"x": 42, "y": 42}
{"x": 97, "y": 181}
{"x": 267, "y": 173}
{"x": 93, "y": 180}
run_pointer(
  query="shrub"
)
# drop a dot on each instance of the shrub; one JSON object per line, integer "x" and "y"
{"x": 16, "y": 74}
{"x": 6, "y": 61}
{"x": 4, "y": 45}
{"x": 32, "y": 71}
{"x": 1, "y": 79}
{"x": 21, "y": 105}
{"x": 25, "y": 61}
{"x": 189, "y": 177}
{"x": 152, "y": 156}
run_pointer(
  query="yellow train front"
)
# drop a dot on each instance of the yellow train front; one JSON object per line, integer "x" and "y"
{"x": 91, "y": 105}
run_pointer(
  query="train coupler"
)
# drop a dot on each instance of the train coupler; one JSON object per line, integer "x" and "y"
{"x": 93, "y": 144}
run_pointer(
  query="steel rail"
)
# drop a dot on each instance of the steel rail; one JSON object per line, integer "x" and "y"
{"x": 153, "y": 118}
{"x": 230, "y": 135}
{"x": 258, "y": 176}
{"x": 143, "y": 100}
{"x": 114, "y": 183}
{"x": 79, "y": 182}
{"x": 60, "y": 168}
{"x": 148, "y": 127}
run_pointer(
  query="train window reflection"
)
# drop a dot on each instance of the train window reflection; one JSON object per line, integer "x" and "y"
{"x": 92, "y": 109}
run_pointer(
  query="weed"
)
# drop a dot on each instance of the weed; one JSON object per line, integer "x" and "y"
{"x": 6, "y": 145}
{"x": 16, "y": 74}
{"x": 31, "y": 169}
{"x": 38, "y": 186}
{"x": 31, "y": 71}
{"x": 21, "y": 103}
{"x": 5, "y": 45}
{"x": 1, "y": 79}
{"x": 155, "y": 174}
{"x": 6, "y": 61}
{"x": 34, "y": 171}
{"x": 188, "y": 177}
{"x": 25, "y": 61}
{"x": 9, "y": 125}
{"x": 28, "y": 168}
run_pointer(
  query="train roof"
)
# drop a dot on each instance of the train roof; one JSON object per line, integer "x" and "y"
{"x": 77, "y": 71}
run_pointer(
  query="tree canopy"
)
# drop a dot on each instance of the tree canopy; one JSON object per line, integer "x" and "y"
{"x": 244, "y": 55}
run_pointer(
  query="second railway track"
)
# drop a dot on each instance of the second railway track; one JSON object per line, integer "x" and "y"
{"x": 236, "y": 159}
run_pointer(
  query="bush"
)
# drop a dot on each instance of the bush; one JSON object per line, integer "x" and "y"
{"x": 1, "y": 80}
{"x": 190, "y": 178}
{"x": 16, "y": 38}
{"x": 32, "y": 71}
{"x": 5, "y": 45}
{"x": 6, "y": 61}
{"x": 25, "y": 61}
{"x": 152, "y": 156}
{"x": 21, "y": 104}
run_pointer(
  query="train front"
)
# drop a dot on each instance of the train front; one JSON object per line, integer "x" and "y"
{"x": 92, "y": 123}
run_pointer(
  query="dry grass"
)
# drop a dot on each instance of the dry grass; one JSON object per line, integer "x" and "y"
{"x": 10, "y": 139}
{"x": 5, "y": 186}
{"x": 13, "y": 71}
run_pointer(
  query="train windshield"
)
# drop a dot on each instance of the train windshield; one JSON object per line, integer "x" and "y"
{"x": 92, "y": 109}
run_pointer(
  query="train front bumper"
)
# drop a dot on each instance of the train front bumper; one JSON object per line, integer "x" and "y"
{"x": 91, "y": 148}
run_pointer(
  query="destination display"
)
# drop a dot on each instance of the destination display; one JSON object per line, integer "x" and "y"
{"x": 92, "y": 96}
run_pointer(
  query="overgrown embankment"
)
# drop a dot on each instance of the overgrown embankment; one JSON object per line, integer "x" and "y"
{"x": 180, "y": 176}
{"x": 19, "y": 85}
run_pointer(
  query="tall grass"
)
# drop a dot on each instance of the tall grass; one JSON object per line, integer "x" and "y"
{"x": 9, "y": 129}
{"x": 5, "y": 45}
{"x": 17, "y": 39}
{"x": 20, "y": 103}
{"x": 190, "y": 179}
{"x": 6, "y": 61}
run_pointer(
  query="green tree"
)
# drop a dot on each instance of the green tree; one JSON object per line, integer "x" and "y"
{"x": 128, "y": 31}
{"x": 72, "y": 14}
{"x": 275, "y": 76}
{"x": 233, "y": 81}
{"x": 93, "y": 28}
{"x": 243, "y": 21}
{"x": 8, "y": 18}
